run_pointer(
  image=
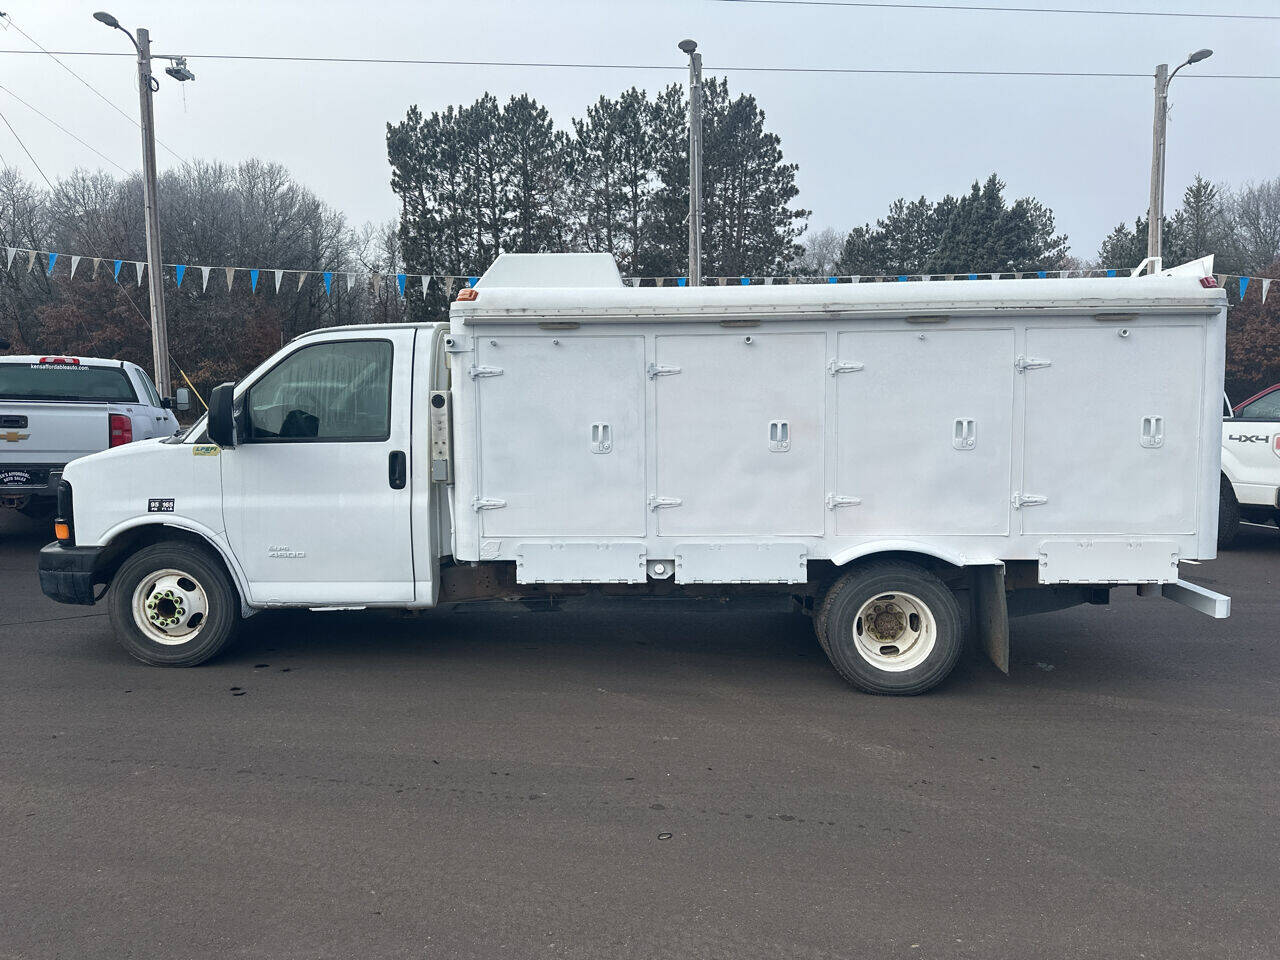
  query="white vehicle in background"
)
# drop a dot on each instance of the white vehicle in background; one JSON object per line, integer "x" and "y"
{"x": 1250, "y": 463}
{"x": 55, "y": 409}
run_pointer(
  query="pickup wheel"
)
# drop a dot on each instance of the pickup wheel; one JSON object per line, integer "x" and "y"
{"x": 1228, "y": 515}
{"x": 891, "y": 628}
{"x": 173, "y": 605}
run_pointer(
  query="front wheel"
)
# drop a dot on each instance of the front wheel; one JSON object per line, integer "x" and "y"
{"x": 891, "y": 628}
{"x": 172, "y": 604}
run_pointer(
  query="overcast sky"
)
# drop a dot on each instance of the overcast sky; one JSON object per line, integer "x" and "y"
{"x": 1081, "y": 145}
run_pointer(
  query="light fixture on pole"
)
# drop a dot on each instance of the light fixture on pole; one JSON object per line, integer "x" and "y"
{"x": 690, "y": 47}
{"x": 147, "y": 85}
{"x": 1155, "y": 212}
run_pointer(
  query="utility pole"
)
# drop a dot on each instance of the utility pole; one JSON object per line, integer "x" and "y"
{"x": 695, "y": 161}
{"x": 159, "y": 322}
{"x": 1155, "y": 211}
{"x": 147, "y": 85}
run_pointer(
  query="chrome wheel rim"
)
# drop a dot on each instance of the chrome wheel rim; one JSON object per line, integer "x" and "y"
{"x": 170, "y": 607}
{"x": 894, "y": 632}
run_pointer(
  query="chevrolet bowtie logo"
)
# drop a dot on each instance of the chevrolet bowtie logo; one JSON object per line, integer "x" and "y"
{"x": 13, "y": 436}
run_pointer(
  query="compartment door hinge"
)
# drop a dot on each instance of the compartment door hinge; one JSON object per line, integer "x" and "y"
{"x": 1024, "y": 364}
{"x": 836, "y": 366}
{"x": 662, "y": 370}
{"x": 487, "y": 503}
{"x": 656, "y": 503}
{"x": 834, "y": 501}
{"x": 476, "y": 371}
{"x": 1021, "y": 500}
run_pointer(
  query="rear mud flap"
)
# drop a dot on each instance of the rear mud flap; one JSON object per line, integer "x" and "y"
{"x": 991, "y": 614}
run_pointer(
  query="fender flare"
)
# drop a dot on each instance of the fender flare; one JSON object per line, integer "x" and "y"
{"x": 945, "y": 554}
{"x": 215, "y": 540}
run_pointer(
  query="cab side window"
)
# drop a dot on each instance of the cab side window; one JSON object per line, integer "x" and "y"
{"x": 152, "y": 396}
{"x": 1264, "y": 408}
{"x": 337, "y": 391}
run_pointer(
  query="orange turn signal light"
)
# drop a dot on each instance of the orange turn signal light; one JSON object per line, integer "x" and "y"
{"x": 470, "y": 293}
{"x": 62, "y": 530}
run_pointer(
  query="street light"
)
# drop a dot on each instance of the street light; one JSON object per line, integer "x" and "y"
{"x": 146, "y": 86}
{"x": 690, "y": 47}
{"x": 1155, "y": 213}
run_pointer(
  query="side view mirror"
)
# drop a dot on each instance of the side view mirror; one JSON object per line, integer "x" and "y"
{"x": 222, "y": 427}
{"x": 182, "y": 399}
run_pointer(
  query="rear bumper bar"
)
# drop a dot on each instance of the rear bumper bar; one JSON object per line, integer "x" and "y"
{"x": 1196, "y": 597}
{"x": 66, "y": 573}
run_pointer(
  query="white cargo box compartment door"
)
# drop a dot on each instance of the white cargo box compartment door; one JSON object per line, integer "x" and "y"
{"x": 740, "y": 421}
{"x": 562, "y": 435}
{"x": 925, "y": 420}
{"x": 1113, "y": 429}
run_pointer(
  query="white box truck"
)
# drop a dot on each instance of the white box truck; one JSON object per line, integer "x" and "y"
{"x": 903, "y": 461}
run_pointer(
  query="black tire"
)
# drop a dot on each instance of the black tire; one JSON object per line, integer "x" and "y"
{"x": 1228, "y": 515}
{"x": 191, "y": 565}
{"x": 838, "y": 628}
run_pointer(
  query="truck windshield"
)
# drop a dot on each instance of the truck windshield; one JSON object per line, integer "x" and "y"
{"x": 65, "y": 381}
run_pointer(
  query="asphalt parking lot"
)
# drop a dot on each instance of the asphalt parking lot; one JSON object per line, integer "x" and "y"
{"x": 617, "y": 783}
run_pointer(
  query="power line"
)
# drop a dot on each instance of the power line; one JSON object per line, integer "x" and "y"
{"x": 540, "y": 64}
{"x": 26, "y": 151}
{"x": 991, "y": 9}
{"x": 96, "y": 92}
{"x": 69, "y": 133}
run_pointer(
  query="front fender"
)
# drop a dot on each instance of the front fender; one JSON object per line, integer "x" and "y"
{"x": 215, "y": 540}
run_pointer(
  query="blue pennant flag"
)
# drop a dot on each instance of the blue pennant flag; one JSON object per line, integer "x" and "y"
{"x": 902, "y": 279}
{"x": 1041, "y": 274}
{"x": 179, "y": 270}
{"x": 328, "y": 281}
{"x": 1111, "y": 273}
{"x": 681, "y": 281}
{"x": 400, "y": 283}
{"x": 1244, "y": 281}
{"x": 833, "y": 279}
{"x": 471, "y": 281}
{"x": 53, "y": 258}
{"x": 973, "y": 276}
{"x": 253, "y": 280}
{"x": 745, "y": 281}
{"x": 117, "y": 270}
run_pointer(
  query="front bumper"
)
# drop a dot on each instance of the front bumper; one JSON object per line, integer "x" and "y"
{"x": 66, "y": 573}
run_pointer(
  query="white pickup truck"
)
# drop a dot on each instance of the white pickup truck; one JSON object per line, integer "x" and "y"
{"x": 897, "y": 459}
{"x": 55, "y": 409}
{"x": 1250, "y": 463}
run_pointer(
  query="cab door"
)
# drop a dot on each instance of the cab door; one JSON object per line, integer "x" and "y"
{"x": 316, "y": 493}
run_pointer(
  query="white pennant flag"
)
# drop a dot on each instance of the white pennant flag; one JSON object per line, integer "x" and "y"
{"x": 1266, "y": 285}
{"x": 231, "y": 276}
{"x": 350, "y": 280}
{"x": 204, "y": 278}
{"x": 31, "y": 260}
{"x": 75, "y": 262}
{"x": 302, "y": 275}
{"x": 426, "y": 282}
{"x": 279, "y": 277}
{"x": 138, "y": 267}
{"x": 12, "y": 251}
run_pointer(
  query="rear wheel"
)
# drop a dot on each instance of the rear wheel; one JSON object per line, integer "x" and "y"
{"x": 172, "y": 604}
{"x": 1228, "y": 515}
{"x": 891, "y": 628}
